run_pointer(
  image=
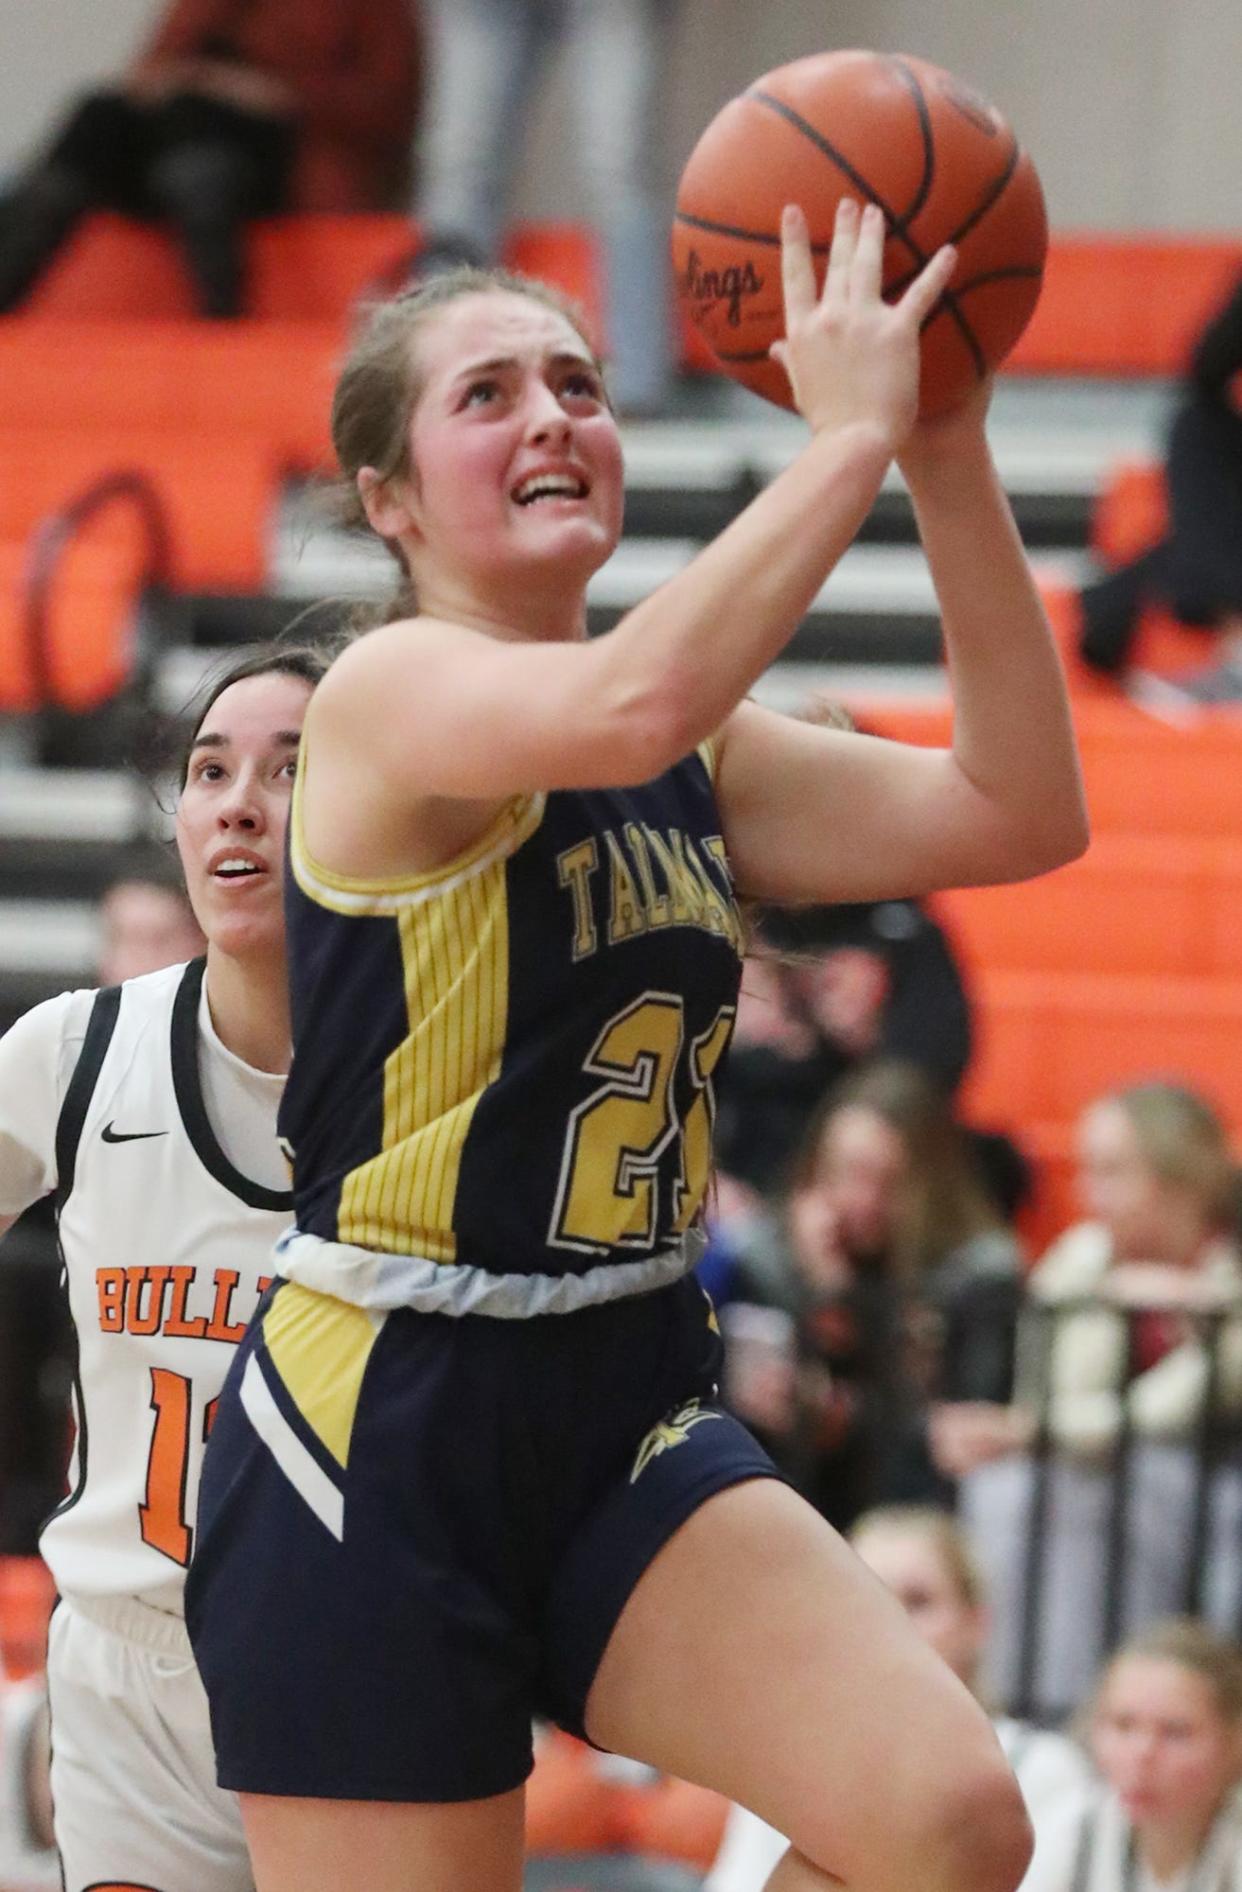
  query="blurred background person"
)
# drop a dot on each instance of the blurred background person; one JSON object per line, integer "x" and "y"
{"x": 145, "y": 918}
{"x": 900, "y": 1286}
{"x": 825, "y": 989}
{"x": 1165, "y": 1728}
{"x": 489, "y": 59}
{"x": 228, "y": 113}
{"x": 28, "y": 1858}
{"x": 1195, "y": 569}
{"x": 1137, "y": 1307}
{"x": 923, "y": 1557}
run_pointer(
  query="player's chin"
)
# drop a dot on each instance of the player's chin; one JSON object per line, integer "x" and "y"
{"x": 241, "y": 931}
{"x": 575, "y": 537}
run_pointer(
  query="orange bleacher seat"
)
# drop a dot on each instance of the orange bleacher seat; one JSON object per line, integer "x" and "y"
{"x": 89, "y": 616}
{"x": 27, "y": 1594}
{"x": 1143, "y": 773}
{"x": 270, "y": 380}
{"x": 1110, "y": 304}
{"x": 1135, "y": 903}
{"x": 1051, "y": 1042}
{"x": 218, "y": 490}
{"x": 1115, "y": 305}
{"x": 302, "y": 268}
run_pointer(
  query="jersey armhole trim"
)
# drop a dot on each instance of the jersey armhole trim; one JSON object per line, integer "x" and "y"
{"x": 97, "y": 1038}
{"x": 339, "y": 893}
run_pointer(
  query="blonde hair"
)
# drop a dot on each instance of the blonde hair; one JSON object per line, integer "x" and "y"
{"x": 937, "y": 1529}
{"x": 1215, "y": 1658}
{"x": 1182, "y": 1141}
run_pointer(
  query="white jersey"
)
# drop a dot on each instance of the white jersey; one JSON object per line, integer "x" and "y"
{"x": 167, "y": 1246}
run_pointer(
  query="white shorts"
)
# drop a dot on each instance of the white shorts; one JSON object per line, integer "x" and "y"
{"x": 133, "y": 1771}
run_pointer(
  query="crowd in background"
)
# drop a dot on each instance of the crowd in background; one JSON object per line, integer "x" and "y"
{"x": 952, "y": 1401}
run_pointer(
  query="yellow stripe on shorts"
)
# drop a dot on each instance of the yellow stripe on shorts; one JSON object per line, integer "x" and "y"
{"x": 320, "y": 1347}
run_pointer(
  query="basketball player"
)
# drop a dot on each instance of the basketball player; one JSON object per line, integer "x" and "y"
{"x": 468, "y": 1461}
{"x": 149, "y": 1109}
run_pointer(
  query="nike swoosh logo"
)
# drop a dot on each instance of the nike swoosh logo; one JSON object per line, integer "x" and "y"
{"x": 129, "y": 1136}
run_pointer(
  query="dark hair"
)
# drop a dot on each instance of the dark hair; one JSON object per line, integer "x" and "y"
{"x": 309, "y": 661}
{"x": 379, "y": 385}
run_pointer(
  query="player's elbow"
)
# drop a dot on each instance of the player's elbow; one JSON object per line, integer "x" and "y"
{"x": 1052, "y": 837}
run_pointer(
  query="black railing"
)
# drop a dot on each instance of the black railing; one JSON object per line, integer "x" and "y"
{"x": 1085, "y": 1544}
{"x": 50, "y": 540}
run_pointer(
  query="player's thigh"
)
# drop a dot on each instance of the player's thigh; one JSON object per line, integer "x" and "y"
{"x": 759, "y": 1657}
{"x": 386, "y": 1846}
{"x": 133, "y": 1774}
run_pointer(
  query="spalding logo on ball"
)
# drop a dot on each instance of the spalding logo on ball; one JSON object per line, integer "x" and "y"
{"x": 889, "y": 129}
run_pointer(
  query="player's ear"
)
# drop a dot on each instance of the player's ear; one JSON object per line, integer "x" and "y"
{"x": 385, "y": 502}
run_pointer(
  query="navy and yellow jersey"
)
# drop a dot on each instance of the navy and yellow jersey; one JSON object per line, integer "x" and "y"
{"x": 508, "y": 1065}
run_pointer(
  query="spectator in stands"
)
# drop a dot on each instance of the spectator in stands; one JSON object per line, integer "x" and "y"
{"x": 923, "y": 1557}
{"x": 1159, "y": 1183}
{"x": 1159, "y": 1258}
{"x": 228, "y": 113}
{"x": 903, "y": 1285}
{"x": 489, "y": 58}
{"x": 146, "y": 920}
{"x": 1165, "y": 1728}
{"x": 1196, "y": 568}
{"x": 28, "y": 1858}
{"x": 825, "y": 989}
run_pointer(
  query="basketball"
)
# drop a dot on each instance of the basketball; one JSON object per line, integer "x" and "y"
{"x": 941, "y": 163}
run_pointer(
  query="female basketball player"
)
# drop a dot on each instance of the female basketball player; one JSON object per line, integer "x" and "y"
{"x": 469, "y": 1463}
{"x": 150, "y": 1110}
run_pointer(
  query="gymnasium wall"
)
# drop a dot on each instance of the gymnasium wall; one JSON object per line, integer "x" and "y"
{"x": 1131, "y": 107}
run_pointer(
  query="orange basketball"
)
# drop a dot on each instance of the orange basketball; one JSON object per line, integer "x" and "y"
{"x": 941, "y": 163}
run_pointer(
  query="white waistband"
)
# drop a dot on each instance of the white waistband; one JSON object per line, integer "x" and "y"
{"x": 136, "y": 1621}
{"x": 366, "y": 1278}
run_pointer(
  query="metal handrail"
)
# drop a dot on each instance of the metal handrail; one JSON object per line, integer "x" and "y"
{"x": 51, "y": 538}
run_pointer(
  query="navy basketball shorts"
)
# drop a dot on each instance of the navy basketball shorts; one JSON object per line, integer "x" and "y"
{"x": 418, "y": 1531}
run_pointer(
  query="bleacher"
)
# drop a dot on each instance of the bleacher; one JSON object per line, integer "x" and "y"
{"x": 186, "y": 454}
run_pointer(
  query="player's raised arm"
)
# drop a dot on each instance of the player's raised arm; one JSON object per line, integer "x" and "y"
{"x": 820, "y": 814}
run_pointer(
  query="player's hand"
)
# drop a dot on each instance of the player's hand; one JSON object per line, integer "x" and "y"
{"x": 851, "y": 357}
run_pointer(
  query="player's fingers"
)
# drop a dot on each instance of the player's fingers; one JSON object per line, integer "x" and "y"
{"x": 867, "y": 265}
{"x": 841, "y": 250}
{"x": 797, "y": 270}
{"x": 930, "y": 284}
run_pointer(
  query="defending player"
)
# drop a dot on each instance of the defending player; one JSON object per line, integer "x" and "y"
{"x": 468, "y": 1462}
{"x": 149, "y": 1109}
